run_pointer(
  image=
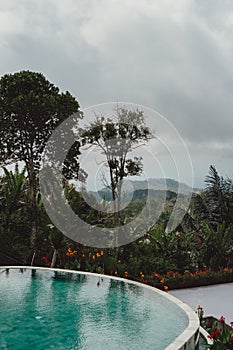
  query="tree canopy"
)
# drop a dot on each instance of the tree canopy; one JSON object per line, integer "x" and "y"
{"x": 116, "y": 138}
{"x": 30, "y": 109}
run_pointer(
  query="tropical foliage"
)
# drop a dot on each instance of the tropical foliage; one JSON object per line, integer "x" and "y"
{"x": 198, "y": 252}
{"x": 201, "y": 246}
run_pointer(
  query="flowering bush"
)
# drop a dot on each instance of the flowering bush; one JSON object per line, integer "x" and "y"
{"x": 175, "y": 279}
{"x": 220, "y": 333}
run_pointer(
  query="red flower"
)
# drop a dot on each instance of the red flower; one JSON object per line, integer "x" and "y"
{"x": 222, "y": 319}
{"x": 214, "y": 334}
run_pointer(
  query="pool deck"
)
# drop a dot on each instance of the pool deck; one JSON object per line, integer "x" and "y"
{"x": 216, "y": 300}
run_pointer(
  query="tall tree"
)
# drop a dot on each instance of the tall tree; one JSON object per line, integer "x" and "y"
{"x": 30, "y": 108}
{"x": 116, "y": 137}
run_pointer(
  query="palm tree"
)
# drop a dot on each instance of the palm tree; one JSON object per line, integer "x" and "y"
{"x": 11, "y": 187}
{"x": 210, "y": 222}
{"x": 218, "y": 195}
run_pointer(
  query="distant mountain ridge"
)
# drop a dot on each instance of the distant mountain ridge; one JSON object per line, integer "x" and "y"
{"x": 156, "y": 187}
{"x": 163, "y": 184}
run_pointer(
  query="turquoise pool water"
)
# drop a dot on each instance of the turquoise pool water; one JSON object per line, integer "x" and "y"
{"x": 44, "y": 309}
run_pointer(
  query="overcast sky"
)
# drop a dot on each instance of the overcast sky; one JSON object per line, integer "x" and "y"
{"x": 172, "y": 56}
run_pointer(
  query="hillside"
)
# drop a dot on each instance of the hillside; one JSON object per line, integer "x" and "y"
{"x": 157, "y": 188}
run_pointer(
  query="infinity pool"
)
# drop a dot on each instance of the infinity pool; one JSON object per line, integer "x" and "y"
{"x": 47, "y": 309}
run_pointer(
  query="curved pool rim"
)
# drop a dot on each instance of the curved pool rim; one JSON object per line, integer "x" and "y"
{"x": 205, "y": 335}
{"x": 190, "y": 336}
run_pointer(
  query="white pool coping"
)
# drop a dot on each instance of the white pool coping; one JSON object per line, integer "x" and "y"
{"x": 205, "y": 335}
{"x": 186, "y": 337}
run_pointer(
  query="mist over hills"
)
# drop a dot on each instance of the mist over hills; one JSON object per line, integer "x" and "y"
{"x": 162, "y": 184}
{"x": 167, "y": 188}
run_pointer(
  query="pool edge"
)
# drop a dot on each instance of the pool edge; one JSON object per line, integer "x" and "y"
{"x": 187, "y": 340}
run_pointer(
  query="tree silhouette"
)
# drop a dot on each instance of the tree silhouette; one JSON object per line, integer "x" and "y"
{"x": 116, "y": 137}
{"x": 30, "y": 109}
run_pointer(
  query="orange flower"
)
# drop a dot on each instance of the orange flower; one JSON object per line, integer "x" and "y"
{"x": 162, "y": 280}
{"x": 126, "y": 273}
{"x": 70, "y": 252}
{"x": 165, "y": 288}
{"x": 157, "y": 275}
{"x": 142, "y": 275}
{"x": 98, "y": 255}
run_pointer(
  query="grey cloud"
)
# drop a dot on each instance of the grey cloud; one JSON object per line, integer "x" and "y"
{"x": 173, "y": 57}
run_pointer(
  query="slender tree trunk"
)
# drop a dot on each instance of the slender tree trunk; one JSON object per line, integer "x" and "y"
{"x": 116, "y": 233}
{"x": 116, "y": 227}
{"x": 118, "y": 218}
{"x": 119, "y": 188}
{"x": 115, "y": 217}
{"x": 33, "y": 257}
{"x": 33, "y": 208}
{"x": 54, "y": 258}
